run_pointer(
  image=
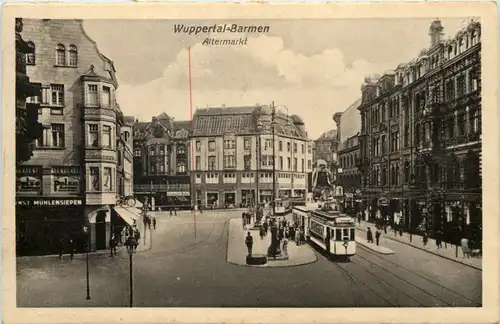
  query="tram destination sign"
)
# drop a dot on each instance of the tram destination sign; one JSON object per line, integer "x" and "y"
{"x": 50, "y": 202}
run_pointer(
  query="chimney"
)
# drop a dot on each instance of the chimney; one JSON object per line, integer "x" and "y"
{"x": 436, "y": 32}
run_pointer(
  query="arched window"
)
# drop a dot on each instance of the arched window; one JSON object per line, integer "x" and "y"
{"x": 73, "y": 55}
{"x": 30, "y": 57}
{"x": 181, "y": 167}
{"x": 60, "y": 55}
{"x": 181, "y": 149}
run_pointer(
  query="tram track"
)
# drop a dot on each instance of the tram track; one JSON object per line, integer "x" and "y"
{"x": 454, "y": 294}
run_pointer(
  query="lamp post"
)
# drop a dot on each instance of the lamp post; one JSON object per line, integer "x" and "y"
{"x": 131, "y": 246}
{"x": 86, "y": 231}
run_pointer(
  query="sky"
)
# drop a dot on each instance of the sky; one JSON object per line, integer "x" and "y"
{"x": 314, "y": 68}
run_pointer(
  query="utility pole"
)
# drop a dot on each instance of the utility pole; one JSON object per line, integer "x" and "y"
{"x": 273, "y": 121}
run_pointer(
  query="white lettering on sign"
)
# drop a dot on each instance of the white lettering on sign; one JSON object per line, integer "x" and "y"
{"x": 50, "y": 202}
{"x": 67, "y": 184}
{"x": 29, "y": 184}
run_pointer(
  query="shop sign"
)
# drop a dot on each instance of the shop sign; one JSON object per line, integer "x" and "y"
{"x": 49, "y": 202}
{"x": 265, "y": 192}
{"x": 358, "y": 200}
{"x": 177, "y": 193}
{"x": 349, "y": 195}
{"x": 383, "y": 201}
{"x": 66, "y": 184}
{"x": 29, "y": 183}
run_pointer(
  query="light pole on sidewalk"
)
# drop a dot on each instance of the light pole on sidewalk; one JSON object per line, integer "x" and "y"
{"x": 86, "y": 231}
{"x": 131, "y": 250}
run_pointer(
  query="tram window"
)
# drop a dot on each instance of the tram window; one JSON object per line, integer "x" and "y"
{"x": 352, "y": 234}
{"x": 338, "y": 234}
{"x": 346, "y": 233}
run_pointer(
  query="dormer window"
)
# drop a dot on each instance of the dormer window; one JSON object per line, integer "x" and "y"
{"x": 73, "y": 55}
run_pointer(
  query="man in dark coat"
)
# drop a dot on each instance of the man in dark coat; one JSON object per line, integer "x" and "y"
{"x": 377, "y": 236}
{"x": 249, "y": 243}
{"x": 369, "y": 236}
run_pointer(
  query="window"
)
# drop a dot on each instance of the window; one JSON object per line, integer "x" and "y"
{"x": 450, "y": 90}
{"x": 181, "y": 150}
{"x": 161, "y": 168}
{"x": 106, "y": 136}
{"x": 247, "y": 162}
{"x": 309, "y": 164}
{"x": 461, "y": 90}
{"x": 246, "y": 143}
{"x": 384, "y": 144}
{"x": 107, "y": 180}
{"x": 228, "y": 144}
{"x": 281, "y": 146}
{"x": 57, "y": 135}
{"x": 295, "y": 164}
{"x": 475, "y": 122}
{"x": 198, "y": 163}
{"x": 211, "y": 146}
{"x": 152, "y": 168}
{"x": 94, "y": 178}
{"x": 294, "y": 147}
{"x": 73, "y": 56}
{"x": 229, "y": 161}
{"x": 60, "y": 55}
{"x": 30, "y": 57}
{"x": 302, "y": 149}
{"x": 137, "y": 151}
{"x": 461, "y": 124}
{"x": 198, "y": 146}
{"x": 268, "y": 144}
{"x": 303, "y": 164}
{"x": 94, "y": 135}
{"x": 57, "y": 91}
{"x": 162, "y": 149}
{"x": 211, "y": 162}
{"x": 181, "y": 167}
{"x": 288, "y": 146}
{"x": 92, "y": 94}
{"x": 289, "y": 163}
{"x": 281, "y": 163}
{"x": 105, "y": 97}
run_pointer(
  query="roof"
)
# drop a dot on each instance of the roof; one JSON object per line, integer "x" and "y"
{"x": 183, "y": 124}
{"x": 329, "y": 135}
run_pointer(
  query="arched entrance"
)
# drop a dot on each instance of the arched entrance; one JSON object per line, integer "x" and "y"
{"x": 100, "y": 230}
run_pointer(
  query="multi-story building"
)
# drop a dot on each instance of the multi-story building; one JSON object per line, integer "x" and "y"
{"x": 420, "y": 138}
{"x": 233, "y": 156}
{"x": 324, "y": 147}
{"x": 70, "y": 182}
{"x": 161, "y": 163}
{"x": 348, "y": 127}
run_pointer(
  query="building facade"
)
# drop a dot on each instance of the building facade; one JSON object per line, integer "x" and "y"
{"x": 233, "y": 156}
{"x": 420, "y": 139}
{"x": 161, "y": 163}
{"x": 348, "y": 127}
{"x": 324, "y": 147}
{"x": 67, "y": 188}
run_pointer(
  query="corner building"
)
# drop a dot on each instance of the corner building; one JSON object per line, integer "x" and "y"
{"x": 420, "y": 138}
{"x": 72, "y": 180}
{"x": 161, "y": 163}
{"x": 233, "y": 156}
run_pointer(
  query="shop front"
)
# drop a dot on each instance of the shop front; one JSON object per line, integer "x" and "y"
{"x": 266, "y": 196}
{"x": 230, "y": 199}
{"x": 247, "y": 197}
{"x": 212, "y": 199}
{"x": 181, "y": 200}
{"x": 46, "y": 225}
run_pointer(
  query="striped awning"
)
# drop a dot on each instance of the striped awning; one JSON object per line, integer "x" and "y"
{"x": 129, "y": 215}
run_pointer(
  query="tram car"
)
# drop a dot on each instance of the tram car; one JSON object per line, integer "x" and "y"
{"x": 333, "y": 232}
{"x": 283, "y": 206}
{"x": 301, "y": 216}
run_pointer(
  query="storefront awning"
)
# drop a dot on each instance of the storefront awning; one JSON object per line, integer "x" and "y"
{"x": 128, "y": 215}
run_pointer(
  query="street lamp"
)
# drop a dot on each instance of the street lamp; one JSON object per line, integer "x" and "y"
{"x": 131, "y": 247}
{"x": 86, "y": 231}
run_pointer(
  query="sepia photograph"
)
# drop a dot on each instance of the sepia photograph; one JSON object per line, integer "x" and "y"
{"x": 180, "y": 162}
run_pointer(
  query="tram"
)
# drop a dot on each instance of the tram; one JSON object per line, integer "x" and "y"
{"x": 333, "y": 232}
{"x": 301, "y": 216}
{"x": 283, "y": 206}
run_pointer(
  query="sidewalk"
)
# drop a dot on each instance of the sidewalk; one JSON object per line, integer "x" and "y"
{"x": 237, "y": 250}
{"x": 374, "y": 247}
{"x": 448, "y": 252}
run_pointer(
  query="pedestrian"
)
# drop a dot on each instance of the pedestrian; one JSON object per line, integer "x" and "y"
{"x": 249, "y": 243}
{"x": 244, "y": 220}
{"x": 170, "y": 209}
{"x": 377, "y": 236}
{"x": 149, "y": 222}
{"x": 261, "y": 232}
{"x": 154, "y": 222}
{"x": 401, "y": 231}
{"x": 385, "y": 228}
{"x": 369, "y": 235}
{"x": 439, "y": 243}
{"x": 112, "y": 245}
{"x": 266, "y": 226}
{"x": 285, "y": 247}
{"x": 425, "y": 239}
{"x": 200, "y": 209}
{"x": 464, "y": 244}
{"x": 297, "y": 236}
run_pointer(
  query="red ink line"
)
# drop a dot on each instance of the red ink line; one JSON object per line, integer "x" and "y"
{"x": 192, "y": 147}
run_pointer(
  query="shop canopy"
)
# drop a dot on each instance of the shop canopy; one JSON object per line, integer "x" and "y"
{"x": 129, "y": 215}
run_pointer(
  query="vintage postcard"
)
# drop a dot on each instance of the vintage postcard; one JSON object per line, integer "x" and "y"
{"x": 250, "y": 163}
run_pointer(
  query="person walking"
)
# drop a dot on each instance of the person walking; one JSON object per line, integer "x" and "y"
{"x": 439, "y": 243}
{"x": 266, "y": 226}
{"x": 285, "y": 247}
{"x": 425, "y": 239}
{"x": 297, "y": 236}
{"x": 464, "y": 244}
{"x": 262, "y": 233}
{"x": 377, "y": 237}
{"x": 200, "y": 209}
{"x": 112, "y": 245}
{"x": 249, "y": 243}
{"x": 154, "y": 222}
{"x": 369, "y": 235}
{"x": 170, "y": 209}
{"x": 149, "y": 222}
